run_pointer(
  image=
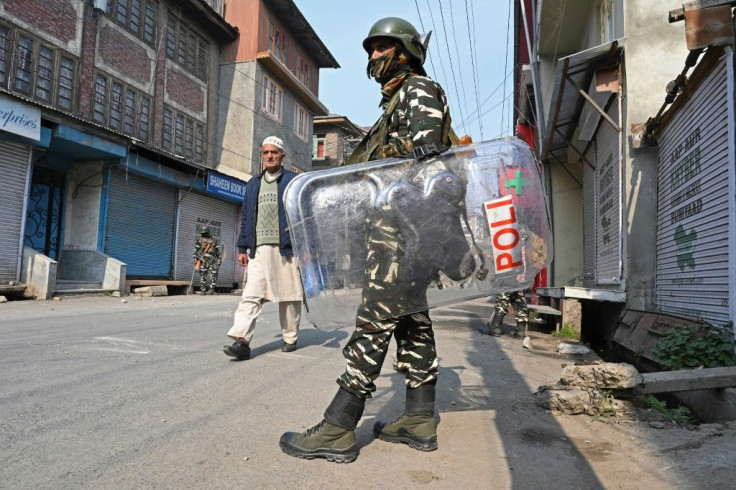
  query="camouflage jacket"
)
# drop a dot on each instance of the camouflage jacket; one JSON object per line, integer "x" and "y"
{"x": 207, "y": 249}
{"x": 416, "y": 114}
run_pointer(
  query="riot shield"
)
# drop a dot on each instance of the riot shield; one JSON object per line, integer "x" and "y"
{"x": 392, "y": 237}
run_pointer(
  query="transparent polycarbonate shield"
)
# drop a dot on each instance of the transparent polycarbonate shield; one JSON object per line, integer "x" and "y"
{"x": 391, "y": 237}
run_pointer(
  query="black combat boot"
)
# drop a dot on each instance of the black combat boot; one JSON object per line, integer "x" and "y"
{"x": 417, "y": 426}
{"x": 520, "y": 331}
{"x": 334, "y": 437}
{"x": 493, "y": 327}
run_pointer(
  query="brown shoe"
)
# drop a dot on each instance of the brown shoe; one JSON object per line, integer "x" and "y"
{"x": 288, "y": 347}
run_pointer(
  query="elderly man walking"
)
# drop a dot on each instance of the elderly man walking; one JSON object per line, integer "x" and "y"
{"x": 264, "y": 247}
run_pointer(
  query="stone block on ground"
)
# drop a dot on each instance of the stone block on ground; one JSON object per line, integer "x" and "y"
{"x": 576, "y": 349}
{"x": 606, "y": 375}
{"x": 152, "y": 291}
{"x": 3, "y": 299}
{"x": 565, "y": 399}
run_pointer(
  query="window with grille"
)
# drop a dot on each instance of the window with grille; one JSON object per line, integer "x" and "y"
{"x": 36, "y": 70}
{"x": 273, "y": 98}
{"x": 608, "y": 26}
{"x": 183, "y": 135}
{"x": 121, "y": 107}
{"x": 301, "y": 121}
{"x": 318, "y": 146}
{"x": 137, "y": 17}
{"x": 66, "y": 83}
{"x": 4, "y": 53}
{"x": 302, "y": 69}
{"x": 277, "y": 42}
{"x": 186, "y": 48}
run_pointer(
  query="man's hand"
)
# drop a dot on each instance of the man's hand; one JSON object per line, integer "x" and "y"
{"x": 196, "y": 265}
{"x": 243, "y": 260}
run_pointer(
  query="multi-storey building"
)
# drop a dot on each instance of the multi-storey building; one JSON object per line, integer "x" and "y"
{"x": 335, "y": 138}
{"x": 111, "y": 145}
{"x": 270, "y": 77}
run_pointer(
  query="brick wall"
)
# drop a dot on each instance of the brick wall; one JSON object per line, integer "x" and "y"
{"x": 128, "y": 56}
{"x": 57, "y": 18}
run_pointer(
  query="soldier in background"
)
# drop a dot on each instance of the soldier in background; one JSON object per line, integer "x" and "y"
{"x": 208, "y": 255}
{"x": 503, "y": 301}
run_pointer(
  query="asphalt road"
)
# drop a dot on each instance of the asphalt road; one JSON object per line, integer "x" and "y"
{"x": 100, "y": 393}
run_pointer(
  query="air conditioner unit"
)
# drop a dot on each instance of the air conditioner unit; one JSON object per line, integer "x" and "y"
{"x": 100, "y": 5}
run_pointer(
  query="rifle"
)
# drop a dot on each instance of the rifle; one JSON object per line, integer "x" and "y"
{"x": 191, "y": 281}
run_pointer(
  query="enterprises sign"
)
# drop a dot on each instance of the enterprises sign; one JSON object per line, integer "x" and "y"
{"x": 19, "y": 118}
{"x": 225, "y": 186}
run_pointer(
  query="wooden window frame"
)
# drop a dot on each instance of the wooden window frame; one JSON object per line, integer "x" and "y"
{"x": 111, "y": 107}
{"x": 184, "y": 135}
{"x": 277, "y": 43}
{"x": 138, "y": 17}
{"x": 187, "y": 49}
{"x": 301, "y": 122}
{"x": 317, "y": 139}
{"x": 272, "y": 102}
{"x": 36, "y": 69}
{"x": 303, "y": 70}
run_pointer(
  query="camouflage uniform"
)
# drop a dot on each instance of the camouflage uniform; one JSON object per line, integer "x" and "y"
{"x": 415, "y": 114}
{"x": 208, "y": 252}
{"x": 518, "y": 300}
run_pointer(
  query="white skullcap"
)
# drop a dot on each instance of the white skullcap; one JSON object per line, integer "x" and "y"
{"x": 275, "y": 141}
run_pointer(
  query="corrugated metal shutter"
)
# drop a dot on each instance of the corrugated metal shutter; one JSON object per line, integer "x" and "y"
{"x": 695, "y": 203}
{"x": 608, "y": 201}
{"x": 140, "y": 225}
{"x": 589, "y": 215}
{"x": 14, "y": 160}
{"x": 222, "y": 219}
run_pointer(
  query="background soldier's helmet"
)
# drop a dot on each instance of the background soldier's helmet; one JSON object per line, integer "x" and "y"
{"x": 403, "y": 32}
{"x": 205, "y": 232}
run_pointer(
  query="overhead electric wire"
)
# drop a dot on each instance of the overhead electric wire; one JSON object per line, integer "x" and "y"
{"x": 421, "y": 24}
{"x": 473, "y": 116}
{"x": 475, "y": 71}
{"x": 502, "y": 101}
{"x": 459, "y": 62}
{"x": 449, "y": 57}
{"x": 506, "y": 65}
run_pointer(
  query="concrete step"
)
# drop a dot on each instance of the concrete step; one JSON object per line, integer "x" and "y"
{"x": 78, "y": 292}
{"x": 66, "y": 284}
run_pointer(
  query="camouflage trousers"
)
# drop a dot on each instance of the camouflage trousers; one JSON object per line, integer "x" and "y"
{"x": 367, "y": 348}
{"x": 515, "y": 298}
{"x": 208, "y": 271}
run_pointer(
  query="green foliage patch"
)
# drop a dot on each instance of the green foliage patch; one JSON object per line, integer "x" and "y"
{"x": 693, "y": 346}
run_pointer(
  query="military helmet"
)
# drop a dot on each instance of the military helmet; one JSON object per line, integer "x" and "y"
{"x": 205, "y": 231}
{"x": 400, "y": 30}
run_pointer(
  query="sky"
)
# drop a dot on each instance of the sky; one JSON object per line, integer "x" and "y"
{"x": 478, "y": 81}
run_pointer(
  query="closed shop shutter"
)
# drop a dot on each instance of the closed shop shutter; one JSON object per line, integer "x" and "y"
{"x": 140, "y": 225}
{"x": 695, "y": 203}
{"x": 589, "y": 216}
{"x": 195, "y": 211}
{"x": 608, "y": 201}
{"x": 14, "y": 160}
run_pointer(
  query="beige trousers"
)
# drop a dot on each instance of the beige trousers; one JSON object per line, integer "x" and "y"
{"x": 250, "y": 308}
{"x": 271, "y": 278}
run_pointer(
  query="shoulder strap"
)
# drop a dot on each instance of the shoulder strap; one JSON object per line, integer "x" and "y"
{"x": 362, "y": 147}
